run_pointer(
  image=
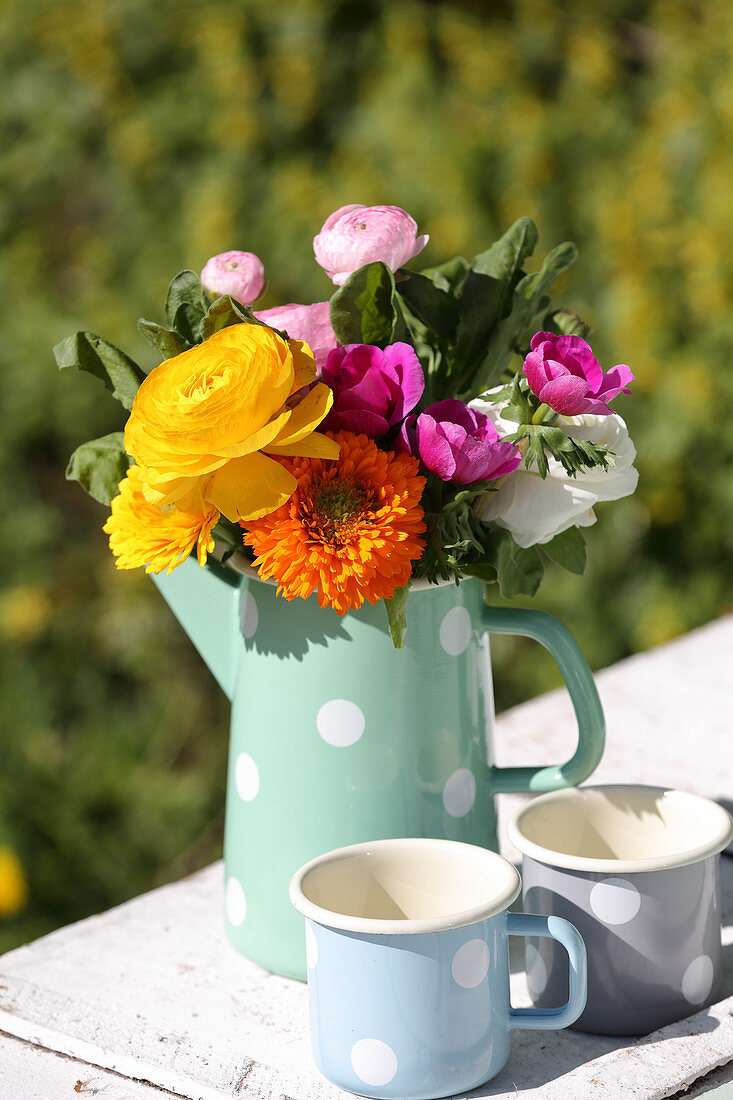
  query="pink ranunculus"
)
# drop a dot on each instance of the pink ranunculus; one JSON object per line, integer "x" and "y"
{"x": 373, "y": 389}
{"x": 240, "y": 274}
{"x": 309, "y": 323}
{"x": 564, "y": 373}
{"x": 458, "y": 443}
{"x": 357, "y": 235}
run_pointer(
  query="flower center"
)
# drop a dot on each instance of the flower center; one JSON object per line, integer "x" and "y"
{"x": 200, "y": 386}
{"x": 335, "y": 510}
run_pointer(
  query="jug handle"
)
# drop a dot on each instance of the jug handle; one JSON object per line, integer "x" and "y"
{"x": 560, "y": 643}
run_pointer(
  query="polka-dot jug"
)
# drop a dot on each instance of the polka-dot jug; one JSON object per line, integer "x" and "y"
{"x": 337, "y": 738}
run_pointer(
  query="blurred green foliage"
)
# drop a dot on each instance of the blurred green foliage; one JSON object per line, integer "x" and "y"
{"x": 142, "y": 137}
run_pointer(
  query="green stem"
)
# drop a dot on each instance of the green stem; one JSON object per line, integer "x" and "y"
{"x": 544, "y": 415}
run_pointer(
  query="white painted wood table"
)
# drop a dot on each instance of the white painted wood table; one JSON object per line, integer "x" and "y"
{"x": 150, "y": 1000}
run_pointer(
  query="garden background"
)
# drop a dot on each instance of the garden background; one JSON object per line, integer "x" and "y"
{"x": 141, "y": 137}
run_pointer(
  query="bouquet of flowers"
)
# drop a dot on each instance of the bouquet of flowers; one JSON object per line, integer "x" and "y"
{"x": 421, "y": 425}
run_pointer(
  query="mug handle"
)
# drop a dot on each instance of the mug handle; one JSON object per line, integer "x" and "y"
{"x": 556, "y": 928}
{"x": 559, "y": 642}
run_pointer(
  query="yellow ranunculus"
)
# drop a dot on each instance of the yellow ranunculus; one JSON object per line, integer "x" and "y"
{"x": 203, "y": 420}
{"x": 141, "y": 533}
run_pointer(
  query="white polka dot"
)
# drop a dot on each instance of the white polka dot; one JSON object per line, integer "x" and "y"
{"x": 697, "y": 981}
{"x": 373, "y": 1062}
{"x": 340, "y": 723}
{"x": 249, "y": 615}
{"x": 536, "y": 970}
{"x": 311, "y": 947}
{"x": 247, "y": 777}
{"x": 471, "y": 963}
{"x": 459, "y": 792}
{"x": 236, "y": 902}
{"x": 615, "y": 900}
{"x": 455, "y": 631}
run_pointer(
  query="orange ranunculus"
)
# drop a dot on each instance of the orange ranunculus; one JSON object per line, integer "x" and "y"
{"x": 209, "y": 418}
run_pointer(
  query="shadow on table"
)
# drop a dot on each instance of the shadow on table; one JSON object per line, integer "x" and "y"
{"x": 538, "y": 1058}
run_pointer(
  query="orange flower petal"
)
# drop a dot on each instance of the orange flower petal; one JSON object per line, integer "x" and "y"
{"x": 351, "y": 529}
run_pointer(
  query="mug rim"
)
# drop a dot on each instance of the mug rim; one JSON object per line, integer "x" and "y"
{"x": 719, "y": 838}
{"x": 401, "y": 927}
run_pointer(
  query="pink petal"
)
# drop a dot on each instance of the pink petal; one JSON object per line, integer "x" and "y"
{"x": 564, "y": 394}
{"x": 310, "y": 323}
{"x": 535, "y": 371}
{"x": 435, "y": 450}
{"x": 409, "y": 371}
{"x": 356, "y": 420}
{"x": 420, "y": 243}
{"x": 453, "y": 410}
{"x": 331, "y": 220}
{"x": 615, "y": 381}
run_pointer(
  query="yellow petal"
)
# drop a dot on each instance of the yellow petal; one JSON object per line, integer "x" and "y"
{"x": 250, "y": 487}
{"x": 314, "y": 445}
{"x": 304, "y": 364}
{"x": 305, "y": 416}
{"x": 258, "y": 440}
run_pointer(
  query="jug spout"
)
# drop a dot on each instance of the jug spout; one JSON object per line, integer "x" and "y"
{"x": 206, "y": 603}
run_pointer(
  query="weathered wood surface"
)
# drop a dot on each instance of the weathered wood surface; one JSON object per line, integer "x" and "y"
{"x": 30, "y": 1071}
{"x": 152, "y": 990}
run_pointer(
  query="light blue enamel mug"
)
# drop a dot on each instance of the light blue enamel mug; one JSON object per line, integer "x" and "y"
{"x": 408, "y": 965}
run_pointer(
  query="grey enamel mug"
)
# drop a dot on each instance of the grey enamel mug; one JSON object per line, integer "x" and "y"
{"x": 637, "y": 871}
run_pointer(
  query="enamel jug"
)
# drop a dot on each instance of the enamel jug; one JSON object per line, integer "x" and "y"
{"x": 338, "y": 738}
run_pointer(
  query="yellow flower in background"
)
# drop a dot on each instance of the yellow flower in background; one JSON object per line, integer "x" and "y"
{"x": 13, "y": 884}
{"x": 25, "y": 612}
{"x": 158, "y": 536}
{"x": 208, "y": 419}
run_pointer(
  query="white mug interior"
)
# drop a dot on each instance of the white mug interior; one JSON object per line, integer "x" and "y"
{"x": 620, "y": 828}
{"x": 394, "y": 887}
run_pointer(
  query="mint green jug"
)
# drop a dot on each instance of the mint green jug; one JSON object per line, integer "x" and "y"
{"x": 338, "y": 738}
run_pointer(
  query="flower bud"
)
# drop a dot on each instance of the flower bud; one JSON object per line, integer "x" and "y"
{"x": 357, "y": 235}
{"x": 240, "y": 274}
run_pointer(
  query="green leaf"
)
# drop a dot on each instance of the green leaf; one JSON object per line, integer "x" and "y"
{"x": 437, "y": 309}
{"x": 568, "y": 549}
{"x": 504, "y": 259}
{"x": 565, "y": 323}
{"x": 485, "y": 571}
{"x": 486, "y": 299}
{"x": 450, "y": 275}
{"x": 99, "y": 466}
{"x": 529, "y": 303}
{"x": 186, "y": 305}
{"x": 519, "y": 570}
{"x": 223, "y": 313}
{"x": 574, "y": 454}
{"x": 518, "y": 409}
{"x": 166, "y": 340}
{"x": 363, "y": 309}
{"x": 397, "y": 615}
{"x": 90, "y": 353}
